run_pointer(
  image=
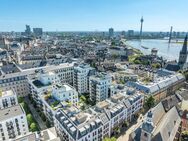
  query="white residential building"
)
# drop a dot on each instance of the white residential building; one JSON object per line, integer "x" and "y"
{"x": 7, "y": 99}
{"x": 99, "y": 87}
{"x": 81, "y": 77}
{"x": 73, "y": 125}
{"x": 48, "y": 93}
{"x": 97, "y": 122}
{"x": 44, "y": 135}
{"x": 65, "y": 93}
{"x": 13, "y": 123}
{"x": 15, "y": 77}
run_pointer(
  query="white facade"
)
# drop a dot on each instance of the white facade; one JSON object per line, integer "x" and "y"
{"x": 97, "y": 122}
{"x": 81, "y": 78}
{"x": 18, "y": 80}
{"x": 13, "y": 123}
{"x": 88, "y": 128}
{"x": 65, "y": 93}
{"x": 99, "y": 87}
{"x": 48, "y": 78}
{"x": 7, "y": 99}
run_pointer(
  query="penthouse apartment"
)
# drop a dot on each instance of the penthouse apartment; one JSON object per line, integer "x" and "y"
{"x": 7, "y": 99}
{"x": 162, "y": 83}
{"x": 13, "y": 123}
{"x": 99, "y": 85}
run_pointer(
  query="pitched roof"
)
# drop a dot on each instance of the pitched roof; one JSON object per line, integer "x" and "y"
{"x": 168, "y": 126}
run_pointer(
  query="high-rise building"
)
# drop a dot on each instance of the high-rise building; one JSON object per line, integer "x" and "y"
{"x": 37, "y": 32}
{"x": 123, "y": 33}
{"x": 142, "y": 20}
{"x": 183, "y": 53}
{"x": 99, "y": 87}
{"x": 27, "y": 30}
{"x": 81, "y": 77}
{"x": 111, "y": 32}
{"x": 130, "y": 33}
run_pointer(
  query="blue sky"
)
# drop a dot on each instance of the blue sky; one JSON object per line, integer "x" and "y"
{"x": 92, "y": 15}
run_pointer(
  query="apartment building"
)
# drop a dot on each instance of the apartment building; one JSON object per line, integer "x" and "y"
{"x": 65, "y": 93}
{"x": 15, "y": 77}
{"x": 81, "y": 77}
{"x": 162, "y": 83}
{"x": 99, "y": 85}
{"x": 99, "y": 121}
{"x": 73, "y": 125}
{"x": 44, "y": 135}
{"x": 7, "y": 99}
{"x": 13, "y": 123}
{"x": 49, "y": 94}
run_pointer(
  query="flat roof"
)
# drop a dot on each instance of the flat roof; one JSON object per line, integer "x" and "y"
{"x": 11, "y": 112}
{"x": 7, "y": 93}
{"x": 102, "y": 104}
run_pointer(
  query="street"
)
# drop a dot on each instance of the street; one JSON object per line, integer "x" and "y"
{"x": 41, "y": 123}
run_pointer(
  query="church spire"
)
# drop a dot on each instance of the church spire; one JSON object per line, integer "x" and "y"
{"x": 183, "y": 53}
{"x": 184, "y": 48}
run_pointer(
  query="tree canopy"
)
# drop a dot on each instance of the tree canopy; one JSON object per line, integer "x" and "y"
{"x": 150, "y": 102}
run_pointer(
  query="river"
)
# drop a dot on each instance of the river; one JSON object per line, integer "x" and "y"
{"x": 169, "y": 52}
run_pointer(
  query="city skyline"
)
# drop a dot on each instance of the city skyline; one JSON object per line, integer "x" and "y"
{"x": 70, "y": 15}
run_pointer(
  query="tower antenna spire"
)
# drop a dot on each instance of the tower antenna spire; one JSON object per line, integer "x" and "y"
{"x": 141, "y": 21}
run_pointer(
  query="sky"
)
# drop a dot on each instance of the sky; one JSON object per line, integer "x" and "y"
{"x": 94, "y": 15}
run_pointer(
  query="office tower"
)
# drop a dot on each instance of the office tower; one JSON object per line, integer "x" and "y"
{"x": 37, "y": 32}
{"x": 130, "y": 33}
{"x": 28, "y": 30}
{"x": 111, "y": 32}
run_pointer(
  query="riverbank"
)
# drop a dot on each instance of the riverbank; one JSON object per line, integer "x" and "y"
{"x": 165, "y": 50}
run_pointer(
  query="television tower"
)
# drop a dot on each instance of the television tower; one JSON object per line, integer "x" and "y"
{"x": 142, "y": 20}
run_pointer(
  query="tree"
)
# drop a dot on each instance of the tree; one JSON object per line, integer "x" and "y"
{"x": 43, "y": 116}
{"x": 29, "y": 119}
{"x": 26, "y": 108}
{"x": 186, "y": 75}
{"x": 126, "y": 123}
{"x": 110, "y": 139}
{"x": 33, "y": 127}
{"x": 150, "y": 102}
{"x": 184, "y": 136}
{"x": 156, "y": 65}
{"x": 114, "y": 56}
{"x": 137, "y": 62}
{"x": 48, "y": 123}
{"x": 83, "y": 98}
{"x": 20, "y": 99}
